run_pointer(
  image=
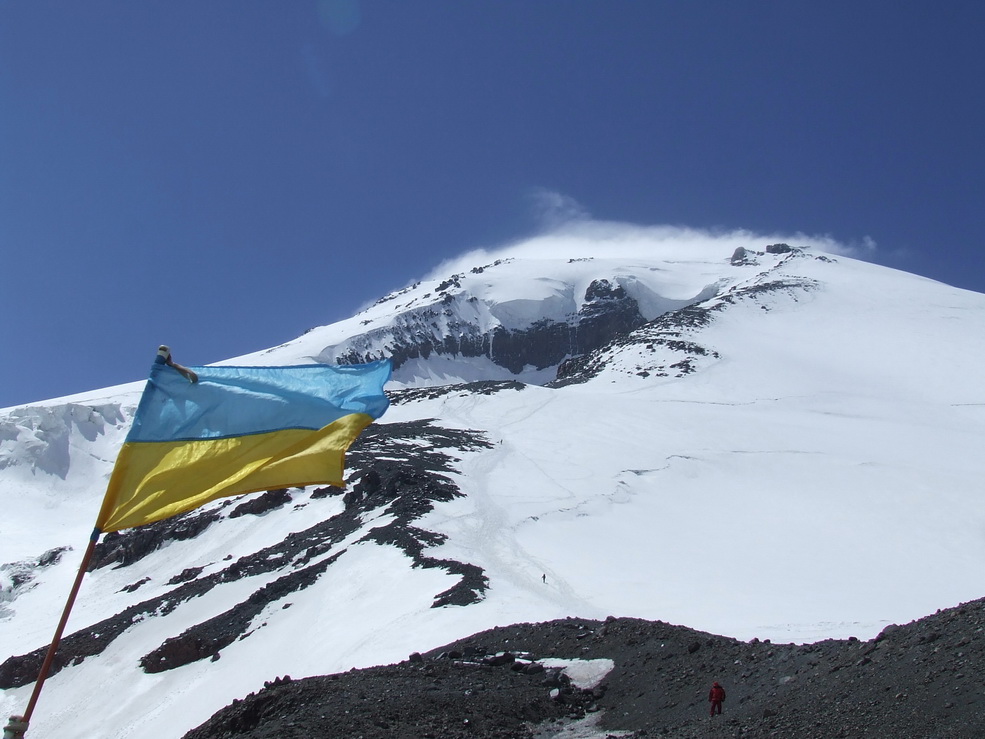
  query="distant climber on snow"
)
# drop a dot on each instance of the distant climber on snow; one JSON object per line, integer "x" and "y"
{"x": 716, "y": 696}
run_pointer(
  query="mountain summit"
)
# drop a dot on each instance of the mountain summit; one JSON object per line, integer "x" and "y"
{"x": 754, "y": 439}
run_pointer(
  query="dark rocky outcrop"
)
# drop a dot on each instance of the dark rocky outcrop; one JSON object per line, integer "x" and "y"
{"x": 134, "y": 586}
{"x": 667, "y": 332}
{"x": 740, "y": 257}
{"x": 671, "y": 339}
{"x": 23, "y": 572}
{"x": 257, "y": 506}
{"x": 400, "y": 468}
{"x": 186, "y": 575}
{"x": 778, "y": 248}
{"x": 918, "y": 680}
{"x": 419, "y": 699}
{"x": 208, "y": 638}
{"x": 484, "y": 387}
{"x": 606, "y": 312}
{"x": 21, "y": 575}
{"x": 608, "y": 316}
{"x": 122, "y": 548}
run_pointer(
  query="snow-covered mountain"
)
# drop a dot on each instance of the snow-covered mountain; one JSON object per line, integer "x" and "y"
{"x": 738, "y": 435}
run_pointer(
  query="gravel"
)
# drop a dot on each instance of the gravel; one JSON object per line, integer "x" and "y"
{"x": 917, "y": 680}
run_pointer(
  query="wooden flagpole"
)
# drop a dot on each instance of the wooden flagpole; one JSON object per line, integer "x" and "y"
{"x": 18, "y": 724}
{"x": 50, "y": 656}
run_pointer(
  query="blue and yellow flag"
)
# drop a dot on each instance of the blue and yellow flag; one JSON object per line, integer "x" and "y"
{"x": 237, "y": 430}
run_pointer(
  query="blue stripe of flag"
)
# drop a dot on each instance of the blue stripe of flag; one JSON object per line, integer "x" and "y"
{"x": 240, "y": 401}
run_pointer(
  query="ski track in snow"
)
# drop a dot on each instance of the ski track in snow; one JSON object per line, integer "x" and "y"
{"x": 502, "y": 554}
{"x": 488, "y": 531}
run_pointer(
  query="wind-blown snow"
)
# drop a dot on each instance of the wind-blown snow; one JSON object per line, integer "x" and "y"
{"x": 817, "y": 475}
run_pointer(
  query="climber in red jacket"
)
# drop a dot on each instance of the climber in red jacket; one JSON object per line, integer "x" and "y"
{"x": 715, "y": 696}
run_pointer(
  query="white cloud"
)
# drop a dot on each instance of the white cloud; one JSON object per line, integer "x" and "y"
{"x": 555, "y": 210}
{"x": 573, "y": 234}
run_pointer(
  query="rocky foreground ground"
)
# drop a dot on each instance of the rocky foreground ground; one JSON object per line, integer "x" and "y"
{"x": 922, "y": 679}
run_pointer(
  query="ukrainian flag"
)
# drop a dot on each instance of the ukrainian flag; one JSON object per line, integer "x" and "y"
{"x": 237, "y": 430}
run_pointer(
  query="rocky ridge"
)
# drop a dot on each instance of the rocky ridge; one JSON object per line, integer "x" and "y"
{"x": 916, "y": 680}
{"x": 670, "y": 345}
{"x": 412, "y": 477}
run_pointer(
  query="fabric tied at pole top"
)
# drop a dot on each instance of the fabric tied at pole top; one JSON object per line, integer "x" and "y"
{"x": 238, "y": 430}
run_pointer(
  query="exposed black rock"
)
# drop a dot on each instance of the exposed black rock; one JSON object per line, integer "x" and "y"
{"x": 23, "y": 572}
{"x": 208, "y": 638}
{"x": 258, "y": 505}
{"x": 186, "y": 575}
{"x": 21, "y": 576}
{"x": 608, "y": 316}
{"x": 125, "y": 547}
{"x": 419, "y": 699}
{"x": 794, "y": 288}
{"x": 607, "y": 311}
{"x": 402, "y": 468}
{"x": 326, "y": 492}
{"x": 669, "y": 338}
{"x": 74, "y": 648}
{"x": 132, "y": 587}
{"x": 917, "y": 680}
{"x": 778, "y": 248}
{"x": 484, "y": 387}
{"x": 472, "y": 583}
{"x": 664, "y": 332}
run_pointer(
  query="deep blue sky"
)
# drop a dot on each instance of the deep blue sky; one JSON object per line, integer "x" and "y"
{"x": 222, "y": 175}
